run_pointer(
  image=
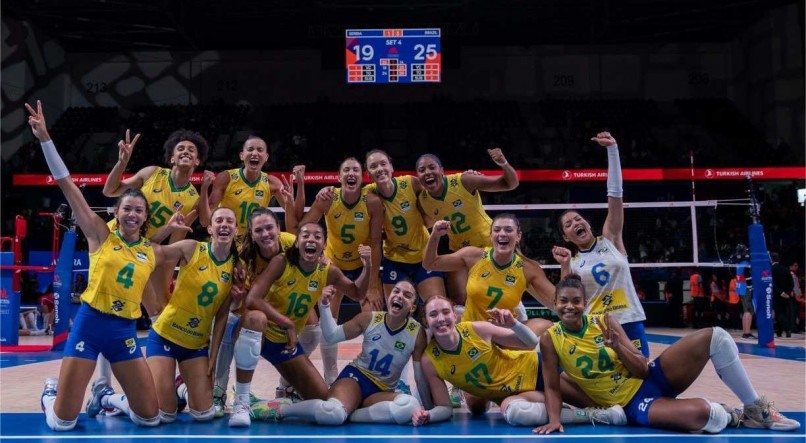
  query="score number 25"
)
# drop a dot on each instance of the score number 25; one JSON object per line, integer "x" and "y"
{"x": 421, "y": 52}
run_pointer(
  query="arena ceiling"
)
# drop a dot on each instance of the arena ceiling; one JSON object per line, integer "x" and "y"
{"x": 123, "y": 25}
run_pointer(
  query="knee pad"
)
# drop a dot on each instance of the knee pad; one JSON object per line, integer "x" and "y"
{"x": 203, "y": 415}
{"x": 166, "y": 417}
{"x": 525, "y": 413}
{"x": 718, "y": 418}
{"x": 247, "y": 349}
{"x": 330, "y": 412}
{"x": 57, "y": 424}
{"x": 148, "y": 422}
{"x": 309, "y": 338}
{"x": 403, "y": 407}
{"x": 723, "y": 348}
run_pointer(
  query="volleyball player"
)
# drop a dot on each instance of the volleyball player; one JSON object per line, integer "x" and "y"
{"x": 482, "y": 359}
{"x": 291, "y": 284}
{"x": 389, "y": 339}
{"x": 598, "y": 356}
{"x": 602, "y": 261}
{"x": 120, "y": 265}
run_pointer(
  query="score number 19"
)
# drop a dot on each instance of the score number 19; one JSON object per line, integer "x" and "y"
{"x": 422, "y": 52}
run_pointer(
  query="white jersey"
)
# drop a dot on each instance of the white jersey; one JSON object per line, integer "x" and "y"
{"x": 384, "y": 352}
{"x": 608, "y": 285}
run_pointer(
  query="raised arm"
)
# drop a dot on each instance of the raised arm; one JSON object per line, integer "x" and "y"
{"x": 219, "y": 186}
{"x": 505, "y": 182}
{"x": 614, "y": 223}
{"x": 318, "y": 210}
{"x": 551, "y": 389}
{"x": 461, "y": 259}
{"x": 542, "y": 289}
{"x": 298, "y": 172}
{"x": 333, "y": 333}
{"x": 563, "y": 257}
{"x": 114, "y": 186}
{"x": 90, "y": 223}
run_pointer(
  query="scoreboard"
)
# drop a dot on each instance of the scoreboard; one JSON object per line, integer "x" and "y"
{"x": 393, "y": 55}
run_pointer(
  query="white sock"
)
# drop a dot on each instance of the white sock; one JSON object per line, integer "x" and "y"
{"x": 305, "y": 410}
{"x": 242, "y": 391}
{"x": 116, "y": 401}
{"x": 725, "y": 357}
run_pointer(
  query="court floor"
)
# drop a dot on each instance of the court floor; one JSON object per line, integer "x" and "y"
{"x": 778, "y": 373}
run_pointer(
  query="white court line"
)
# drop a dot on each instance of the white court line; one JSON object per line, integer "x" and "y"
{"x": 775, "y": 435}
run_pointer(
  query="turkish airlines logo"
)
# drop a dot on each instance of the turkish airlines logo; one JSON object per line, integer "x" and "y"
{"x": 566, "y": 175}
{"x": 709, "y": 173}
{"x": 49, "y": 180}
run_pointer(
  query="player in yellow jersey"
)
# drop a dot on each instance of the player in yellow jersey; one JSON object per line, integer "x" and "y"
{"x": 457, "y": 198}
{"x": 120, "y": 264}
{"x": 248, "y": 187}
{"x": 601, "y": 359}
{"x": 167, "y": 191}
{"x": 280, "y": 301}
{"x": 494, "y": 361}
{"x": 353, "y": 216}
{"x": 405, "y": 234}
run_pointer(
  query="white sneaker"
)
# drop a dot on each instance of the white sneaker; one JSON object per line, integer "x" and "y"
{"x": 613, "y": 415}
{"x": 219, "y": 401}
{"x": 48, "y": 390}
{"x": 764, "y": 415}
{"x": 240, "y": 415}
{"x": 457, "y": 396}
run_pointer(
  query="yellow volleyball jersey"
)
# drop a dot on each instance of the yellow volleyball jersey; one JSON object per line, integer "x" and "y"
{"x": 202, "y": 285}
{"x": 484, "y": 369}
{"x": 294, "y": 295}
{"x": 243, "y": 196}
{"x": 470, "y": 224}
{"x": 593, "y": 366}
{"x": 490, "y": 285}
{"x": 347, "y": 227}
{"x": 164, "y": 197}
{"x": 404, "y": 230}
{"x": 286, "y": 241}
{"x": 118, "y": 275}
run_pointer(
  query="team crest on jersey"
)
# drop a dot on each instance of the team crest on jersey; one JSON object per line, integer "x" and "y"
{"x": 403, "y": 185}
{"x": 203, "y": 268}
{"x": 313, "y": 285}
{"x": 202, "y": 248}
{"x": 118, "y": 305}
{"x": 225, "y": 277}
{"x": 177, "y": 205}
{"x": 163, "y": 172}
{"x": 238, "y": 192}
{"x": 405, "y": 205}
{"x": 454, "y": 182}
{"x": 234, "y": 176}
{"x": 400, "y": 346}
{"x": 602, "y": 250}
{"x": 465, "y": 333}
{"x": 473, "y": 353}
{"x": 141, "y": 256}
{"x": 558, "y": 331}
{"x": 291, "y": 283}
{"x": 607, "y": 299}
{"x": 117, "y": 248}
{"x": 364, "y": 198}
{"x": 194, "y": 323}
{"x": 484, "y": 254}
{"x": 264, "y": 178}
{"x": 599, "y": 341}
{"x": 358, "y": 216}
{"x": 435, "y": 351}
{"x": 509, "y": 280}
{"x": 457, "y": 204}
{"x": 485, "y": 275}
{"x": 519, "y": 264}
{"x": 378, "y": 318}
{"x": 572, "y": 350}
{"x": 412, "y": 326}
{"x": 259, "y": 193}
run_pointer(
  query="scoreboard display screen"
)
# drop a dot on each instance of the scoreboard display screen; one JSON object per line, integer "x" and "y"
{"x": 393, "y": 56}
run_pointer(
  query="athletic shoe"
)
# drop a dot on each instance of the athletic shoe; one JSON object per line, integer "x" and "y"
{"x": 735, "y": 416}
{"x": 49, "y": 390}
{"x": 240, "y": 415}
{"x": 456, "y": 396}
{"x": 748, "y": 336}
{"x": 289, "y": 393}
{"x": 268, "y": 410}
{"x": 764, "y": 415}
{"x": 402, "y": 387}
{"x": 254, "y": 398}
{"x": 219, "y": 401}
{"x": 100, "y": 388}
{"x": 613, "y": 415}
{"x": 181, "y": 403}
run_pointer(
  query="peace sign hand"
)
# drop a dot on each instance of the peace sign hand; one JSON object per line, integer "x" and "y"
{"x": 610, "y": 335}
{"x": 37, "y": 122}
{"x": 126, "y": 146}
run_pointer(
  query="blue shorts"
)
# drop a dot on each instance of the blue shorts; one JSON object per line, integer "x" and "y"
{"x": 275, "y": 353}
{"x": 96, "y": 333}
{"x": 654, "y": 386}
{"x": 353, "y": 274}
{"x": 368, "y": 387}
{"x": 158, "y": 346}
{"x": 394, "y": 271}
{"x": 637, "y": 334}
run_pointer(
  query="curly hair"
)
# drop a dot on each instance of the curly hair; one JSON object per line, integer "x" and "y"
{"x": 182, "y": 135}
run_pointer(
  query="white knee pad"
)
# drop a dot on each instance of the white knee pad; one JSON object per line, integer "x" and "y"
{"x": 403, "y": 407}
{"x": 525, "y": 413}
{"x": 148, "y": 422}
{"x": 723, "y": 348}
{"x": 203, "y": 415}
{"x": 247, "y": 349}
{"x": 309, "y": 338}
{"x": 718, "y": 419}
{"x": 166, "y": 417}
{"x": 331, "y": 412}
{"x": 57, "y": 424}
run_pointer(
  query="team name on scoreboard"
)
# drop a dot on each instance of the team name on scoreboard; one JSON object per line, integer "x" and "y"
{"x": 393, "y": 55}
